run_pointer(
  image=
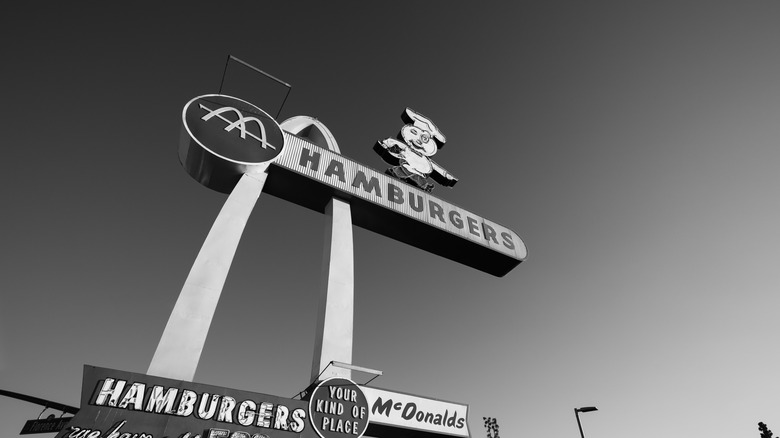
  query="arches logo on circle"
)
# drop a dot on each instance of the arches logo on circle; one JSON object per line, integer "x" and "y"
{"x": 233, "y": 129}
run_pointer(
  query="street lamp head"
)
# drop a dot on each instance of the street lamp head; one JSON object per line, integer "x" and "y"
{"x": 587, "y": 409}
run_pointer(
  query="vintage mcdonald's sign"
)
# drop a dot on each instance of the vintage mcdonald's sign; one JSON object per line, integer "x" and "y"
{"x": 121, "y": 404}
{"x": 392, "y": 413}
{"x": 224, "y": 137}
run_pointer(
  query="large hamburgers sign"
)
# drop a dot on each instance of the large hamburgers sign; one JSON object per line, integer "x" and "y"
{"x": 119, "y": 404}
{"x": 224, "y": 137}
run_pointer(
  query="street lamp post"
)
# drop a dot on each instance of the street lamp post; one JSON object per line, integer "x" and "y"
{"x": 577, "y": 414}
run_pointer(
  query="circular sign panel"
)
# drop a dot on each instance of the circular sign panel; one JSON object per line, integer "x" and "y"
{"x": 224, "y": 137}
{"x": 338, "y": 409}
{"x": 233, "y": 129}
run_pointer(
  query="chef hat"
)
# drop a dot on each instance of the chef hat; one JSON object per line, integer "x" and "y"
{"x": 424, "y": 123}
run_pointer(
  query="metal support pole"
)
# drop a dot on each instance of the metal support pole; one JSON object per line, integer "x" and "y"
{"x": 181, "y": 344}
{"x": 577, "y": 414}
{"x": 335, "y": 316}
{"x": 333, "y": 341}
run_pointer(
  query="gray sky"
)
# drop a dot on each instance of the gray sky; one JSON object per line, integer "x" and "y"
{"x": 634, "y": 148}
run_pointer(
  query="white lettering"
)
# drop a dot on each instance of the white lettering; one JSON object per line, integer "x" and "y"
{"x": 280, "y": 419}
{"x": 264, "y": 414}
{"x": 246, "y": 412}
{"x": 187, "y": 403}
{"x": 298, "y": 416}
{"x": 204, "y": 414}
{"x": 226, "y": 409}
{"x": 158, "y": 400}
{"x": 134, "y": 396}
{"x": 110, "y": 392}
{"x": 115, "y": 432}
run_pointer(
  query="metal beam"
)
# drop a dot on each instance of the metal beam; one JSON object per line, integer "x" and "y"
{"x": 40, "y": 401}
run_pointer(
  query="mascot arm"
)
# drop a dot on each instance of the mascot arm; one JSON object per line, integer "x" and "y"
{"x": 441, "y": 176}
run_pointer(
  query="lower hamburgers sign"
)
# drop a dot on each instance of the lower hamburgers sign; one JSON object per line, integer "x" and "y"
{"x": 120, "y": 404}
{"x": 338, "y": 409}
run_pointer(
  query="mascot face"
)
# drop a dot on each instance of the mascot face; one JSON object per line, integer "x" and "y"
{"x": 419, "y": 139}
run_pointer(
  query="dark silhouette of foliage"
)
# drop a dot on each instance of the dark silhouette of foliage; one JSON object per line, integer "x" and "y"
{"x": 765, "y": 432}
{"x": 492, "y": 427}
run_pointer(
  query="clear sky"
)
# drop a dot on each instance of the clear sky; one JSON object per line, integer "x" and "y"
{"x": 634, "y": 146}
